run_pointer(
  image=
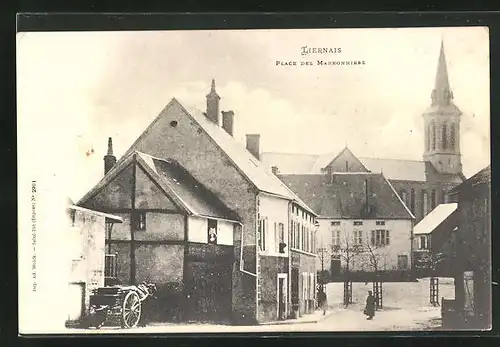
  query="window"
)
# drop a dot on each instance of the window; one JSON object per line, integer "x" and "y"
{"x": 281, "y": 238}
{"x": 212, "y": 231}
{"x": 358, "y": 237}
{"x": 138, "y": 221}
{"x": 423, "y": 242}
{"x": 425, "y": 203}
{"x": 335, "y": 223}
{"x": 357, "y": 223}
{"x": 404, "y": 196}
{"x": 433, "y": 199}
{"x": 445, "y": 136}
{"x": 380, "y": 222}
{"x": 110, "y": 270}
{"x": 433, "y": 136}
{"x": 452, "y": 137}
{"x": 262, "y": 234}
{"x": 379, "y": 237}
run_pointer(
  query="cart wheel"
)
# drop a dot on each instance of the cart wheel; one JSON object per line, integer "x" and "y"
{"x": 131, "y": 310}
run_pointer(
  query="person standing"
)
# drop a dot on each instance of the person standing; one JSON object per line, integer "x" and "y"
{"x": 322, "y": 299}
{"x": 370, "y": 306}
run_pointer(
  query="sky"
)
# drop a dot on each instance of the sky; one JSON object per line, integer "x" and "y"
{"x": 76, "y": 89}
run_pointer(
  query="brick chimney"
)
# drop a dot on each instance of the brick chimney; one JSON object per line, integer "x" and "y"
{"x": 213, "y": 99}
{"x": 228, "y": 122}
{"x": 109, "y": 159}
{"x": 253, "y": 145}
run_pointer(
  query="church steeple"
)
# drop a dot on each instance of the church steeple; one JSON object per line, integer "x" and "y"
{"x": 442, "y": 124}
{"x": 213, "y": 104}
{"x": 441, "y": 94}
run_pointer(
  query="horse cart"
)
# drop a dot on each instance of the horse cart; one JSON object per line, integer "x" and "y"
{"x": 118, "y": 305}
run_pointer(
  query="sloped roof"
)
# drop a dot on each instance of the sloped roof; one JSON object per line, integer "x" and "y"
{"x": 481, "y": 177}
{"x": 393, "y": 169}
{"x": 254, "y": 170}
{"x": 434, "y": 218}
{"x": 397, "y": 169}
{"x": 257, "y": 172}
{"x": 289, "y": 163}
{"x": 176, "y": 183}
{"x": 97, "y": 213}
{"x": 345, "y": 195}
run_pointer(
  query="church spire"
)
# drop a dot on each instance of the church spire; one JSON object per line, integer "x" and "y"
{"x": 442, "y": 95}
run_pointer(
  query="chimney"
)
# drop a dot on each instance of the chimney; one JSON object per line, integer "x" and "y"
{"x": 109, "y": 159}
{"x": 213, "y": 104}
{"x": 275, "y": 170}
{"x": 228, "y": 121}
{"x": 253, "y": 142}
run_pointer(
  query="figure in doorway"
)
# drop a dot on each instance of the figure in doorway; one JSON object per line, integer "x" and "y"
{"x": 370, "y": 306}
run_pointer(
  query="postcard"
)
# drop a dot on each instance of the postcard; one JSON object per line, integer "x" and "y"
{"x": 327, "y": 180}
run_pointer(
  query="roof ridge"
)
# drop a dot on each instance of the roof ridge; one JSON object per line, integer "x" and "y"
{"x": 393, "y": 159}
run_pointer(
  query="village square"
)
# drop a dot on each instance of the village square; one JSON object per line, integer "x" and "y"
{"x": 190, "y": 228}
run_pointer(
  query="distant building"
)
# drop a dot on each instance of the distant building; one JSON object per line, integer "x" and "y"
{"x": 364, "y": 227}
{"x": 421, "y": 184}
{"x": 432, "y": 241}
{"x": 269, "y": 263}
{"x": 86, "y": 233}
{"x": 472, "y": 251}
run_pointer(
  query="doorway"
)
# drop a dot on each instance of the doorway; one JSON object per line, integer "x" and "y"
{"x": 281, "y": 296}
{"x": 335, "y": 266}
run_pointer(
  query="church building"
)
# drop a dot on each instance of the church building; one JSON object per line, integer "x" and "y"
{"x": 421, "y": 184}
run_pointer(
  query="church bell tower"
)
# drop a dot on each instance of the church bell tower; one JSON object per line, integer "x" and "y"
{"x": 442, "y": 124}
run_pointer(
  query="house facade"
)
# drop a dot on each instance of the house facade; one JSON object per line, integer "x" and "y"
{"x": 421, "y": 184}
{"x": 202, "y": 143}
{"x": 364, "y": 227}
{"x": 86, "y": 249}
{"x": 175, "y": 234}
{"x": 472, "y": 252}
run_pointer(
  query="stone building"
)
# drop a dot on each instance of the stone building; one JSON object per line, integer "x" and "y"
{"x": 270, "y": 278}
{"x": 364, "y": 227}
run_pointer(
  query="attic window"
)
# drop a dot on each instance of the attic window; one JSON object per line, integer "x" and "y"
{"x": 173, "y": 123}
{"x": 380, "y": 222}
{"x": 335, "y": 223}
{"x": 358, "y": 223}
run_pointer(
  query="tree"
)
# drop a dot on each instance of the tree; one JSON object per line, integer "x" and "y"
{"x": 375, "y": 262}
{"x": 349, "y": 250}
{"x": 430, "y": 261}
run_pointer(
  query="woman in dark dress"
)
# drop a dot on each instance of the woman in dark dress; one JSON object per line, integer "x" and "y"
{"x": 370, "y": 306}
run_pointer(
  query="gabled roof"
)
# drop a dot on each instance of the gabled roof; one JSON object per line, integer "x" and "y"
{"x": 255, "y": 171}
{"x": 345, "y": 195}
{"x": 393, "y": 169}
{"x": 434, "y": 219}
{"x": 397, "y": 169}
{"x": 176, "y": 183}
{"x": 481, "y": 177}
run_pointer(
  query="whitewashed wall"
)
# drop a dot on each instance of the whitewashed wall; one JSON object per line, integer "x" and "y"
{"x": 197, "y": 231}
{"x": 275, "y": 210}
{"x": 400, "y": 242}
